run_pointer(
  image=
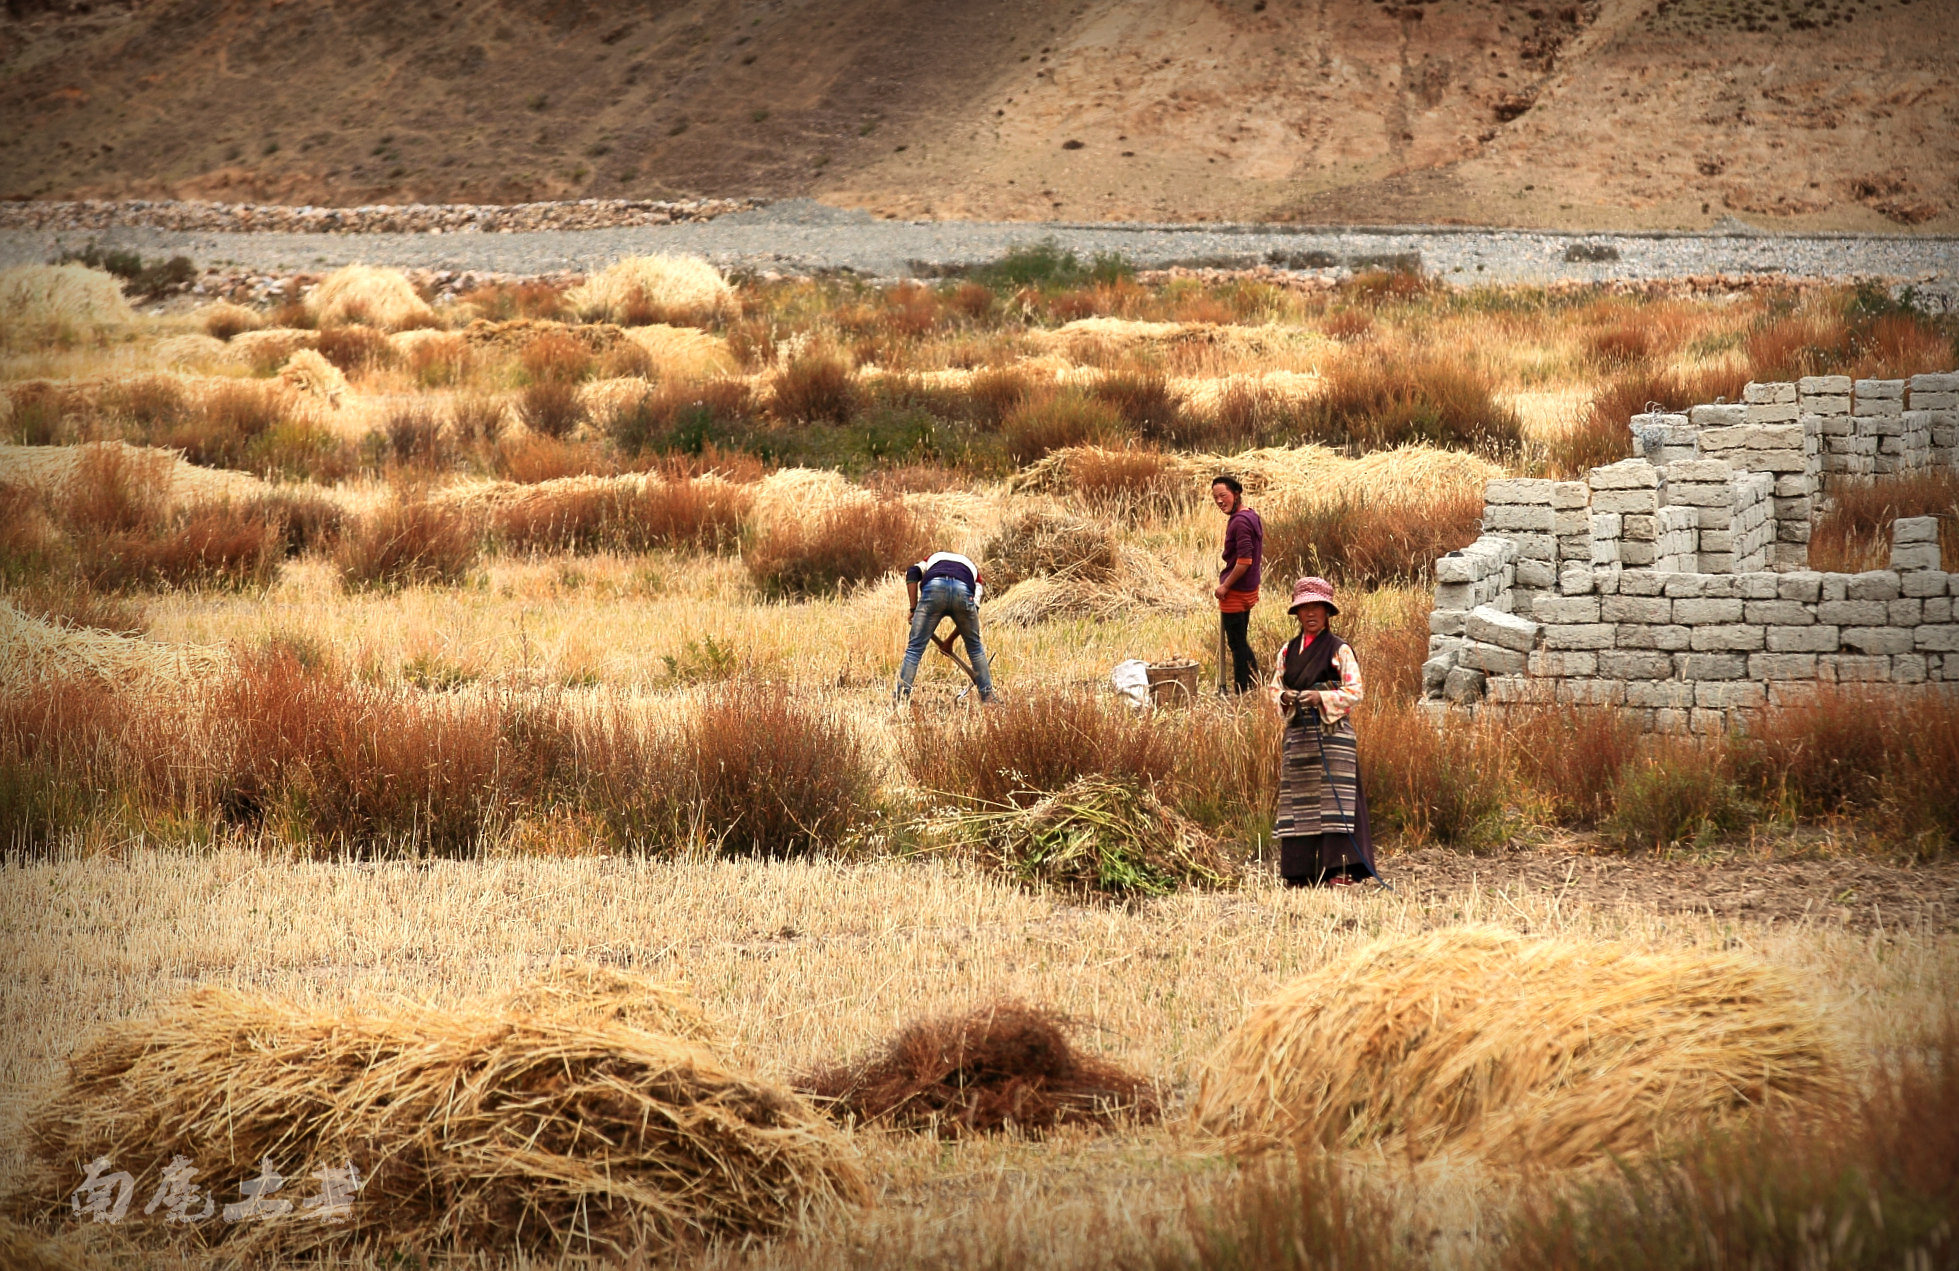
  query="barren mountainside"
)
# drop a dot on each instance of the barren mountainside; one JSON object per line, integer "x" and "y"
{"x": 1600, "y": 113}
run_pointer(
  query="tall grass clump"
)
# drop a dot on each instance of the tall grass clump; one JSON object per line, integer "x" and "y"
{"x": 1679, "y": 791}
{"x": 362, "y": 295}
{"x": 408, "y": 542}
{"x": 829, "y": 550}
{"x": 1855, "y": 534}
{"x": 773, "y": 774}
{"x": 1302, "y": 1214}
{"x": 1454, "y": 786}
{"x": 1034, "y": 744}
{"x": 1042, "y": 422}
{"x": 1377, "y": 402}
{"x": 814, "y": 386}
{"x": 60, "y": 304}
{"x": 1363, "y": 541}
{"x": 1575, "y": 758}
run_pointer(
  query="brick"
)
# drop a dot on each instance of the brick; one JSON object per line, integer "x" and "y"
{"x": 1701, "y": 496}
{"x": 1447, "y": 622}
{"x": 1875, "y": 408}
{"x": 1759, "y": 585}
{"x": 1768, "y": 391}
{"x": 1606, "y": 525}
{"x": 1719, "y": 416}
{"x": 1536, "y": 573}
{"x": 1786, "y": 613}
{"x": 1685, "y": 585}
{"x": 1552, "y": 662}
{"x": 1698, "y": 611}
{"x": 1853, "y": 613}
{"x": 1747, "y": 693}
{"x": 1577, "y": 580}
{"x": 1908, "y": 612}
{"x": 1735, "y": 636}
{"x": 1583, "y": 692}
{"x": 1644, "y": 529}
{"x": 1518, "y": 690}
{"x": 1501, "y": 518}
{"x": 1802, "y": 639}
{"x": 1674, "y": 694}
{"x": 1572, "y": 521}
{"x": 1710, "y": 666}
{"x": 1654, "y": 636}
{"x": 1915, "y": 556}
{"x": 1566, "y": 609}
{"x": 1641, "y": 582}
{"x": 1492, "y": 626}
{"x": 1534, "y": 546}
{"x": 1646, "y": 501}
{"x": 1782, "y": 666}
{"x": 1876, "y": 639}
{"x": 1938, "y": 608}
{"x": 1493, "y": 660}
{"x": 1875, "y": 584}
{"x": 1940, "y": 637}
{"x": 1853, "y": 668}
{"x": 1566, "y": 495}
{"x": 1627, "y": 474}
{"x": 1878, "y": 389}
{"x": 1464, "y": 685}
{"x": 1815, "y": 385}
{"x": 1909, "y": 668}
{"x": 1708, "y": 722}
{"x": 1634, "y": 664}
{"x": 1624, "y": 608}
{"x": 1513, "y": 490}
{"x": 1584, "y": 635}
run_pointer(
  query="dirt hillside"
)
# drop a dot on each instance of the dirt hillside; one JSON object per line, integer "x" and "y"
{"x": 1810, "y": 114}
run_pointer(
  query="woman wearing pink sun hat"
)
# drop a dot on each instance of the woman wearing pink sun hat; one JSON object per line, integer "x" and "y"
{"x": 1322, "y": 824}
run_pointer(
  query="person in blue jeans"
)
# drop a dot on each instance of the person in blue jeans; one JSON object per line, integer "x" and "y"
{"x": 944, "y": 585}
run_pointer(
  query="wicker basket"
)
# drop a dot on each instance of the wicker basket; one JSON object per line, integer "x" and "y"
{"x": 1173, "y": 683}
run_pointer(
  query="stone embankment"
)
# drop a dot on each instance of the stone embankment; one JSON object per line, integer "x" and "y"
{"x": 1677, "y": 584}
{"x": 380, "y": 218}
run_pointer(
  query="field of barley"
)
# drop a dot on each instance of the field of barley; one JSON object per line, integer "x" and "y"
{"x": 364, "y": 660}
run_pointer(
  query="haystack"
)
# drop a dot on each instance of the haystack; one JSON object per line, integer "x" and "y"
{"x": 1005, "y": 1064}
{"x": 223, "y": 319}
{"x": 685, "y": 288}
{"x": 1088, "y": 335}
{"x": 311, "y": 375}
{"x": 270, "y": 346}
{"x": 1095, "y": 837}
{"x": 539, "y": 1125}
{"x": 1048, "y": 564}
{"x": 56, "y": 297}
{"x": 1534, "y": 1052}
{"x": 372, "y": 297}
{"x": 32, "y": 650}
{"x": 178, "y": 350}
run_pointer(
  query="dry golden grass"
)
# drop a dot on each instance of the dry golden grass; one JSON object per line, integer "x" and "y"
{"x": 652, "y": 289}
{"x": 61, "y": 301}
{"x": 32, "y": 650}
{"x": 1532, "y": 1053}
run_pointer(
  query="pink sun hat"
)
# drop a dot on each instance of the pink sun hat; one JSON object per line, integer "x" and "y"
{"x": 1308, "y": 590}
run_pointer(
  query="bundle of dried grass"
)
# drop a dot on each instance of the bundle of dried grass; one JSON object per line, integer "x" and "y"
{"x": 683, "y": 353}
{"x": 181, "y": 350}
{"x": 311, "y": 375}
{"x": 1094, "y": 837}
{"x": 32, "y": 651}
{"x": 1051, "y": 564}
{"x": 641, "y": 290}
{"x": 547, "y": 1123}
{"x": 42, "y": 298}
{"x": 1005, "y": 1064}
{"x": 1088, "y": 335}
{"x": 269, "y": 347}
{"x": 371, "y": 297}
{"x": 24, "y": 1250}
{"x": 50, "y": 468}
{"x": 222, "y": 319}
{"x": 1545, "y": 1053}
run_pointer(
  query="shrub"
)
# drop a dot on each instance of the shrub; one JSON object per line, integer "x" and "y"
{"x": 1361, "y": 541}
{"x": 355, "y": 350}
{"x": 1129, "y": 481}
{"x": 1448, "y": 785}
{"x": 774, "y": 775}
{"x": 232, "y": 417}
{"x": 1036, "y": 744}
{"x": 407, "y": 542}
{"x": 848, "y": 543}
{"x": 1679, "y": 791}
{"x": 640, "y": 290}
{"x": 364, "y": 295}
{"x": 1144, "y": 403}
{"x": 1855, "y": 534}
{"x": 697, "y": 513}
{"x": 502, "y": 302}
{"x": 814, "y": 386}
{"x": 678, "y": 416}
{"x": 1047, "y": 264}
{"x": 1574, "y": 757}
{"x": 530, "y": 458}
{"x": 1377, "y": 402}
{"x": 995, "y": 391}
{"x": 213, "y": 545}
{"x": 222, "y": 320}
{"x": 1038, "y": 424}
{"x": 551, "y": 408}
{"x": 58, "y": 759}
{"x": 439, "y": 361}
{"x": 302, "y": 450}
{"x": 476, "y": 419}
{"x": 114, "y": 491}
{"x": 308, "y": 521}
{"x": 417, "y": 436}
{"x": 1245, "y": 414}
{"x": 556, "y": 358}
{"x": 563, "y": 520}
{"x": 146, "y": 404}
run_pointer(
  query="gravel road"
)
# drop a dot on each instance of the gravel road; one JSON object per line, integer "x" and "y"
{"x": 800, "y": 237}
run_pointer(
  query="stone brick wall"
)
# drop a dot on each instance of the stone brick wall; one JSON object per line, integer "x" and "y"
{"x": 1676, "y": 584}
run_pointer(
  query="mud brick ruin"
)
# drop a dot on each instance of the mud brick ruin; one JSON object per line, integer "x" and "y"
{"x": 1677, "y": 584}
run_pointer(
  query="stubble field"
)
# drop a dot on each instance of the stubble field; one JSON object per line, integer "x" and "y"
{"x": 452, "y": 642}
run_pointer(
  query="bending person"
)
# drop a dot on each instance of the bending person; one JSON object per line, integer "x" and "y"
{"x": 944, "y": 585}
{"x": 1322, "y": 824}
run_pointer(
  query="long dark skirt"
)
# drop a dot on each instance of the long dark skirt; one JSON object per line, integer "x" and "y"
{"x": 1322, "y": 824}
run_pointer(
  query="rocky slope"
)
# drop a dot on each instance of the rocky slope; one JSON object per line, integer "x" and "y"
{"x": 1608, "y": 113}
